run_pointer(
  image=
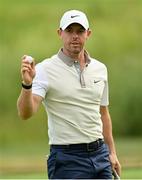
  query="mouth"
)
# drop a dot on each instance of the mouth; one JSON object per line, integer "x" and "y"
{"x": 75, "y": 44}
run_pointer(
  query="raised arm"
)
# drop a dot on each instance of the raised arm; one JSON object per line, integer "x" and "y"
{"x": 27, "y": 103}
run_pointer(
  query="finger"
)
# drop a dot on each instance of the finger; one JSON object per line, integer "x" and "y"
{"x": 28, "y": 69}
{"x": 26, "y": 65}
{"x": 33, "y": 64}
{"x": 113, "y": 166}
{"x": 25, "y": 69}
{"x": 112, "y": 163}
{"x": 118, "y": 170}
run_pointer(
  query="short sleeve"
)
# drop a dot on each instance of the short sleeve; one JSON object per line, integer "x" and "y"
{"x": 40, "y": 82}
{"x": 105, "y": 95}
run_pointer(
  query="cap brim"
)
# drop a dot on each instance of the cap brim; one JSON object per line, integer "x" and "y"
{"x": 66, "y": 25}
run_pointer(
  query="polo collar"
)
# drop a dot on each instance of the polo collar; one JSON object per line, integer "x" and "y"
{"x": 70, "y": 61}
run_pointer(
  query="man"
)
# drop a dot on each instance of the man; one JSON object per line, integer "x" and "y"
{"x": 74, "y": 90}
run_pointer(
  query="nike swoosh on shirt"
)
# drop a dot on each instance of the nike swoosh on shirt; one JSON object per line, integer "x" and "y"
{"x": 97, "y": 81}
{"x": 74, "y": 16}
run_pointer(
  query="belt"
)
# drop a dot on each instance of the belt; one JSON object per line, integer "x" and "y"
{"x": 93, "y": 146}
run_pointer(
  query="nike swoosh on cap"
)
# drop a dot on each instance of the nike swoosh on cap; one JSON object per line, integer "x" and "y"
{"x": 74, "y": 16}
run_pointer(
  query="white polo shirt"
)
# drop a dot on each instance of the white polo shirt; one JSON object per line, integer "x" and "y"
{"x": 72, "y": 98}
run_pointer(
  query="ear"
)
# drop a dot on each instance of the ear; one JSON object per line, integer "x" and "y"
{"x": 89, "y": 33}
{"x": 59, "y": 31}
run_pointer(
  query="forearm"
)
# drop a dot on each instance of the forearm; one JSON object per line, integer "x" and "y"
{"x": 107, "y": 131}
{"x": 110, "y": 142}
{"x": 25, "y": 104}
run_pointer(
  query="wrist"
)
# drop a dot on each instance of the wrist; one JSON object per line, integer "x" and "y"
{"x": 26, "y": 86}
{"x": 112, "y": 153}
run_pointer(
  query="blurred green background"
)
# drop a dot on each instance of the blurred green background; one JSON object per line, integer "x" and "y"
{"x": 29, "y": 27}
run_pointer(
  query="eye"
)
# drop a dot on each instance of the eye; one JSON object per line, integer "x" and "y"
{"x": 68, "y": 30}
{"x": 81, "y": 30}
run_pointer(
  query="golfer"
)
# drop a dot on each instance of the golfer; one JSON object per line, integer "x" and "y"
{"x": 73, "y": 88}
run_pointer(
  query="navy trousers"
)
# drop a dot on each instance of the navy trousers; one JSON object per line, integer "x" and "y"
{"x": 68, "y": 163}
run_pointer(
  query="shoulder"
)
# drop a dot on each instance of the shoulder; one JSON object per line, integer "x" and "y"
{"x": 98, "y": 63}
{"x": 46, "y": 63}
{"x": 97, "y": 68}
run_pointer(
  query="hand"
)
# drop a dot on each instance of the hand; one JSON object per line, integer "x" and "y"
{"x": 115, "y": 163}
{"x": 27, "y": 71}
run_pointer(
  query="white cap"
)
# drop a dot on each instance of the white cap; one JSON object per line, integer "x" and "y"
{"x": 74, "y": 16}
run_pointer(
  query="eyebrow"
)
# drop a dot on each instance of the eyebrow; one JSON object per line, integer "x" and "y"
{"x": 79, "y": 27}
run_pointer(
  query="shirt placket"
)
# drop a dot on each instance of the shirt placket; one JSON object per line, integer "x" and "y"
{"x": 80, "y": 73}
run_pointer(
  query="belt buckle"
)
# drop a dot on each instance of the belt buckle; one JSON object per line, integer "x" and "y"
{"x": 94, "y": 146}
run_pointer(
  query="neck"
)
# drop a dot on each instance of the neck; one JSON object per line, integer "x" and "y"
{"x": 77, "y": 56}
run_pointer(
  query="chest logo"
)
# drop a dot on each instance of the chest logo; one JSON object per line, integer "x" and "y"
{"x": 96, "y": 81}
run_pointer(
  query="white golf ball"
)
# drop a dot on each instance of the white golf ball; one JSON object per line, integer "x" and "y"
{"x": 29, "y": 59}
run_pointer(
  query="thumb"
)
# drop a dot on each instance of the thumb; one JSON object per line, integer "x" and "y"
{"x": 33, "y": 64}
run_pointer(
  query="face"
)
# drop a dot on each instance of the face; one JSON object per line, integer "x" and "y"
{"x": 74, "y": 38}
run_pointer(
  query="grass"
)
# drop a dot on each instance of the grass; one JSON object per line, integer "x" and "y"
{"x": 129, "y": 151}
{"x": 132, "y": 173}
{"x": 32, "y": 175}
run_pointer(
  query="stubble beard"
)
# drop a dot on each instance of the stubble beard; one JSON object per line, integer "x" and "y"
{"x": 75, "y": 50}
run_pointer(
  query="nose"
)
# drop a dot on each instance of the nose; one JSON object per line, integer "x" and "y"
{"x": 74, "y": 35}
